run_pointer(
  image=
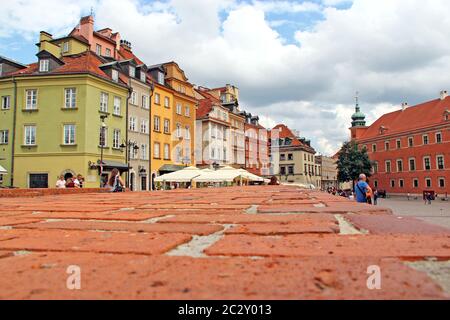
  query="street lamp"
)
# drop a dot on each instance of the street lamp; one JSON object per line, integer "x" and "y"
{"x": 102, "y": 145}
{"x": 132, "y": 145}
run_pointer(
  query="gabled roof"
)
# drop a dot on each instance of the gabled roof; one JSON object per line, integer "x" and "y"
{"x": 86, "y": 62}
{"x": 285, "y": 133}
{"x": 205, "y": 105}
{"x": 420, "y": 116}
{"x": 125, "y": 54}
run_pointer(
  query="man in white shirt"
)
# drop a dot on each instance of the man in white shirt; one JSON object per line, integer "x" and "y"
{"x": 61, "y": 183}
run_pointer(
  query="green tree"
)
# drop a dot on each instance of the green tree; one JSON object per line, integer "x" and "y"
{"x": 352, "y": 162}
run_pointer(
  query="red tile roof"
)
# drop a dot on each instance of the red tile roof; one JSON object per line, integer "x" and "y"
{"x": 284, "y": 132}
{"x": 86, "y": 62}
{"x": 125, "y": 54}
{"x": 421, "y": 116}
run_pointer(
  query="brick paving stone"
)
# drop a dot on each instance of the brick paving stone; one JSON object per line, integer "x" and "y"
{"x": 334, "y": 209}
{"x": 249, "y": 218}
{"x": 282, "y": 229}
{"x": 148, "y": 277}
{"x": 198, "y": 229}
{"x": 89, "y": 241}
{"x": 117, "y": 216}
{"x": 404, "y": 246}
{"x": 394, "y": 225}
{"x": 13, "y": 221}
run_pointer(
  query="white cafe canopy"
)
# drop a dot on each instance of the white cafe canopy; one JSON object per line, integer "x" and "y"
{"x": 3, "y": 170}
{"x": 185, "y": 175}
{"x": 218, "y": 176}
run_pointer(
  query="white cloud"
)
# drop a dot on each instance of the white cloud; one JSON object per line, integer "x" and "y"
{"x": 391, "y": 51}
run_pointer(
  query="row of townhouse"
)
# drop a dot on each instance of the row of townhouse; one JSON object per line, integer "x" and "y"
{"x": 89, "y": 105}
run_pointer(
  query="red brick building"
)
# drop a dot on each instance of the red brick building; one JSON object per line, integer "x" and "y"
{"x": 410, "y": 147}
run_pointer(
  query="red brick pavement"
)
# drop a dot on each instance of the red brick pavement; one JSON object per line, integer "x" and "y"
{"x": 234, "y": 243}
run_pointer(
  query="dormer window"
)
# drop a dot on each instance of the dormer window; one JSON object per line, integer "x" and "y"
{"x": 446, "y": 113}
{"x": 115, "y": 75}
{"x": 132, "y": 72}
{"x": 108, "y": 52}
{"x": 44, "y": 65}
{"x": 161, "y": 78}
{"x": 65, "y": 47}
{"x": 143, "y": 76}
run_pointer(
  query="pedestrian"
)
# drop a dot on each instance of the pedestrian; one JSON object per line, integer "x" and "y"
{"x": 115, "y": 182}
{"x": 70, "y": 184}
{"x": 362, "y": 190}
{"x": 408, "y": 196}
{"x": 430, "y": 197}
{"x": 375, "y": 197}
{"x": 61, "y": 183}
{"x": 80, "y": 180}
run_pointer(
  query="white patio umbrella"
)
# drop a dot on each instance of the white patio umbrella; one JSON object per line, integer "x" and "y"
{"x": 185, "y": 175}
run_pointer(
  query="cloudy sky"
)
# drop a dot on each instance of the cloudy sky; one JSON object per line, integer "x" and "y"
{"x": 295, "y": 62}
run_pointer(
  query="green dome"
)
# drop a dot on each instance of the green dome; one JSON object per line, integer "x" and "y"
{"x": 359, "y": 118}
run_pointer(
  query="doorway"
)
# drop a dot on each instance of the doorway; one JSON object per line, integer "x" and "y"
{"x": 144, "y": 183}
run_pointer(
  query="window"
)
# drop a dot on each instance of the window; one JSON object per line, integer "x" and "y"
{"x": 166, "y": 126}
{"x": 425, "y": 139}
{"x": 65, "y": 47}
{"x": 132, "y": 126}
{"x": 179, "y": 108}
{"x": 399, "y": 144}
{"x": 399, "y": 165}
{"x": 144, "y": 152}
{"x": 179, "y": 135}
{"x": 438, "y": 137}
{"x": 157, "y": 98}
{"x": 291, "y": 169}
{"x": 70, "y": 98}
{"x": 166, "y": 151}
{"x": 134, "y": 98}
{"x": 182, "y": 89}
{"x": 392, "y": 183}
{"x": 401, "y": 183}
{"x": 161, "y": 78}
{"x": 375, "y": 167}
{"x": 388, "y": 166}
{"x": 156, "y": 123}
{"x": 44, "y": 65}
{"x": 143, "y": 76}
{"x": 108, "y": 52}
{"x": 156, "y": 153}
{"x": 115, "y": 75}
{"x": 132, "y": 72}
{"x": 98, "y": 50}
{"x": 30, "y": 136}
{"x": 187, "y": 111}
{"x": 117, "y": 105}
{"x": 411, "y": 142}
{"x": 427, "y": 163}
{"x": 6, "y": 102}
{"x": 428, "y": 183}
{"x": 187, "y": 133}
{"x": 375, "y": 183}
{"x": 31, "y": 103}
{"x": 145, "y": 101}
{"x": 116, "y": 139}
{"x": 104, "y": 102}
{"x": 412, "y": 164}
{"x": 386, "y": 145}
{"x": 144, "y": 126}
{"x": 374, "y": 148}
{"x": 179, "y": 154}
{"x": 415, "y": 183}
{"x": 441, "y": 182}
{"x": 290, "y": 157}
{"x": 282, "y": 157}
{"x": 69, "y": 134}
{"x": 283, "y": 170}
{"x": 166, "y": 102}
{"x": 103, "y": 141}
{"x": 4, "y": 136}
{"x": 440, "y": 162}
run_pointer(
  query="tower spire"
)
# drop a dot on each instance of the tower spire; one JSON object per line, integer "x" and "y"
{"x": 359, "y": 118}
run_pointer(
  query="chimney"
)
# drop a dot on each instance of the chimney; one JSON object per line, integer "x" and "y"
{"x": 125, "y": 44}
{"x": 444, "y": 94}
{"x": 116, "y": 37}
{"x": 87, "y": 29}
{"x": 45, "y": 36}
{"x": 404, "y": 106}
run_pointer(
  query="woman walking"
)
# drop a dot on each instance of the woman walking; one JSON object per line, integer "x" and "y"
{"x": 115, "y": 182}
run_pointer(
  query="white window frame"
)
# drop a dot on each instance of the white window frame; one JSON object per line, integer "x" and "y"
{"x": 156, "y": 150}
{"x": 409, "y": 164}
{"x": 157, "y": 123}
{"x": 105, "y": 138}
{"x": 157, "y": 98}
{"x": 439, "y": 182}
{"x": 424, "y": 163}
{"x": 108, "y": 52}
{"x": 44, "y": 65}
{"x": 104, "y": 98}
{"x": 386, "y": 166}
{"x": 437, "y": 161}
{"x": 134, "y": 98}
{"x": 6, "y": 102}
{"x": 115, "y": 75}
{"x": 70, "y": 98}
{"x": 65, "y": 47}
{"x": 145, "y": 100}
{"x": 418, "y": 183}
{"x": 117, "y": 108}
{"x": 31, "y": 96}
{"x": 144, "y": 152}
{"x": 167, "y": 102}
{"x": 187, "y": 132}
{"x": 98, "y": 49}
{"x": 166, "y": 126}
{"x": 132, "y": 72}
{"x": 30, "y": 135}
{"x": 143, "y": 76}
{"x": 427, "y": 140}
{"x": 187, "y": 111}
{"x": 144, "y": 126}
{"x": 161, "y": 78}
{"x": 179, "y": 109}
{"x": 166, "y": 151}
{"x": 403, "y": 167}
{"x": 178, "y": 131}
{"x": 426, "y": 183}
{"x": 436, "y": 137}
{"x": 69, "y": 134}
{"x": 4, "y": 137}
{"x": 116, "y": 138}
{"x": 132, "y": 124}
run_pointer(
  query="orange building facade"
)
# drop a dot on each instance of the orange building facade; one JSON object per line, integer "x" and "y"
{"x": 410, "y": 148}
